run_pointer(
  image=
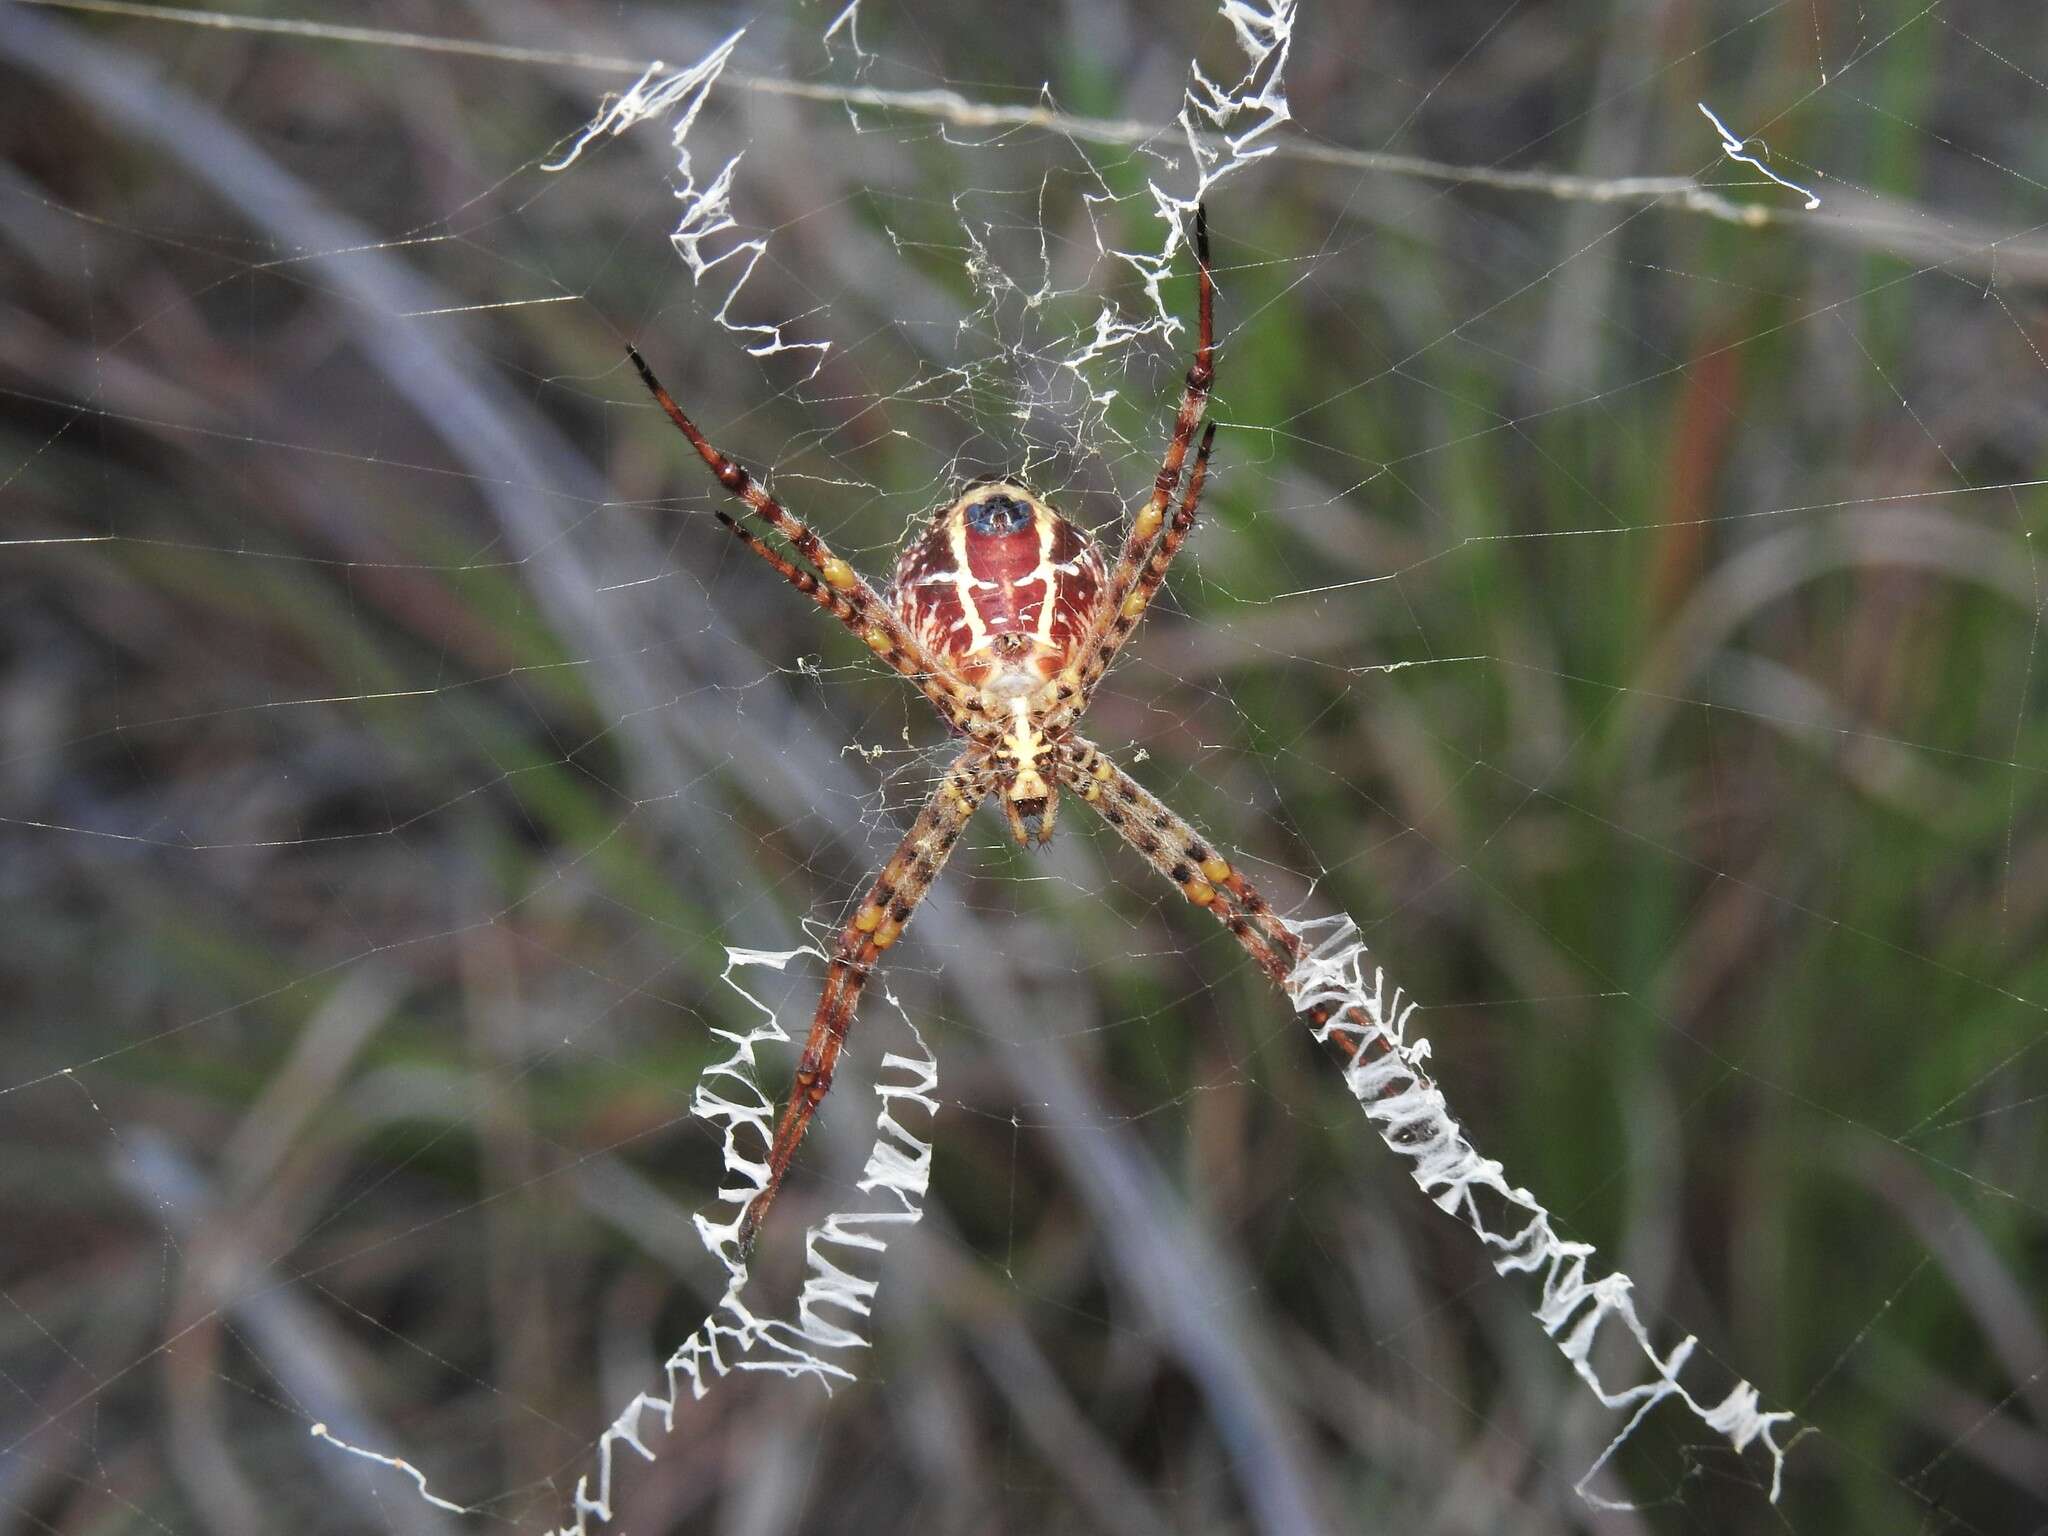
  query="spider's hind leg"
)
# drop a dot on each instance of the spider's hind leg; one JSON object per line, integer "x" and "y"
{"x": 876, "y": 925}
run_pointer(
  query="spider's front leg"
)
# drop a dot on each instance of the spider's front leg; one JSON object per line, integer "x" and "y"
{"x": 833, "y": 584}
{"x": 1145, "y": 527}
{"x": 874, "y": 927}
{"x": 1153, "y": 539}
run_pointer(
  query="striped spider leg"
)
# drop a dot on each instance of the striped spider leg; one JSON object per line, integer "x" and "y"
{"x": 874, "y": 926}
{"x": 1166, "y": 841}
{"x": 1151, "y": 542}
{"x": 831, "y": 583}
{"x": 1170, "y": 844}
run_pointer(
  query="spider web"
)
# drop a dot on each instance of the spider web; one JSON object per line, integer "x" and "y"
{"x": 1616, "y": 598}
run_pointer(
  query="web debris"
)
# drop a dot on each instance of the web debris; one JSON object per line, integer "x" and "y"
{"x": 706, "y": 209}
{"x": 1736, "y": 149}
{"x": 1387, "y": 1077}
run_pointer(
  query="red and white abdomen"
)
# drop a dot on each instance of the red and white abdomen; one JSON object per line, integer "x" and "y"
{"x": 1000, "y": 587}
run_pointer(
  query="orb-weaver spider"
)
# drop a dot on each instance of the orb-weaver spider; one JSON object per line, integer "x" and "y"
{"x": 1006, "y": 616}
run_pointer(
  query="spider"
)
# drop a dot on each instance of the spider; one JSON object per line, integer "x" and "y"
{"x": 1005, "y": 616}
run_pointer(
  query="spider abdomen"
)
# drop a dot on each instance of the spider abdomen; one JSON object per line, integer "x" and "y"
{"x": 1000, "y": 588}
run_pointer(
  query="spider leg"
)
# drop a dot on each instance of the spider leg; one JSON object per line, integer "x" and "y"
{"x": 1105, "y": 643}
{"x": 875, "y": 925}
{"x": 1151, "y": 543}
{"x": 933, "y": 685}
{"x": 1170, "y": 845}
{"x": 833, "y": 584}
{"x": 1194, "y": 400}
{"x": 1166, "y": 841}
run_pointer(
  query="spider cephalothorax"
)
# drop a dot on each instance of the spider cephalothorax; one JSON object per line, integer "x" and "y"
{"x": 1000, "y": 590}
{"x": 1006, "y": 616}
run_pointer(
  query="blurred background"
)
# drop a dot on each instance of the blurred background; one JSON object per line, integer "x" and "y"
{"x": 1620, "y": 597}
